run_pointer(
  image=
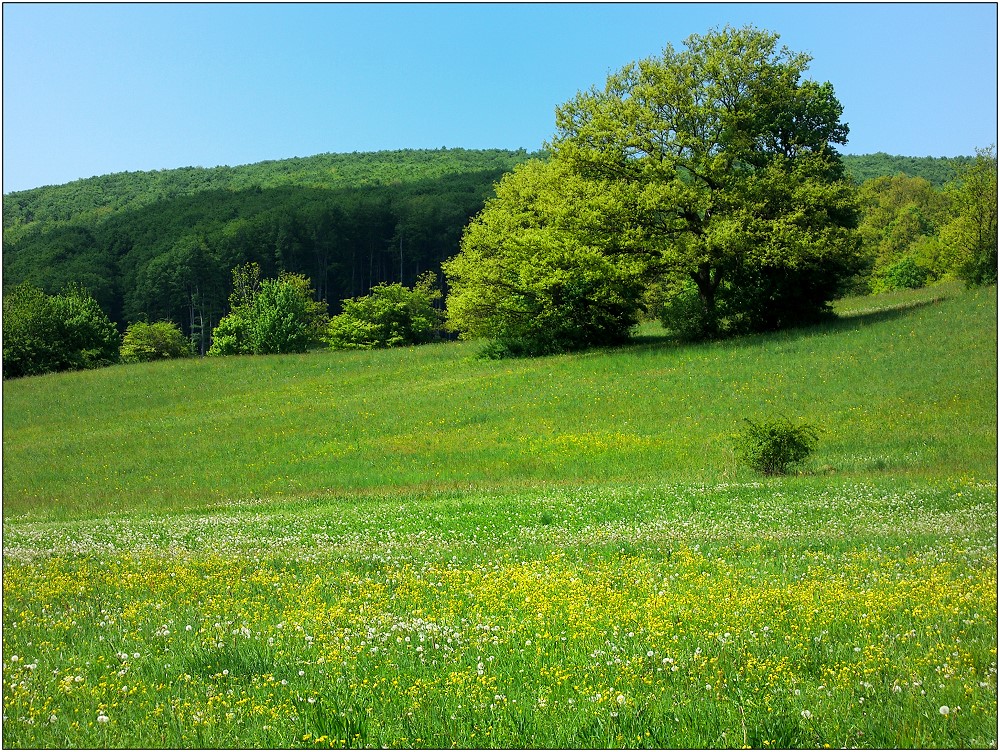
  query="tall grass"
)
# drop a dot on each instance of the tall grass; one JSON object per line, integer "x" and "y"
{"x": 905, "y": 391}
{"x": 420, "y": 549}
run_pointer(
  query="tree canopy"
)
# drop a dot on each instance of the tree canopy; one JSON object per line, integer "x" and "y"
{"x": 972, "y": 233}
{"x": 938, "y": 171}
{"x": 713, "y": 166}
{"x": 740, "y": 185}
{"x": 546, "y": 266}
{"x": 160, "y": 245}
{"x": 46, "y": 333}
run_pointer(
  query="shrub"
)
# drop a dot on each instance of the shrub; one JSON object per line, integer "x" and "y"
{"x": 905, "y": 274}
{"x": 45, "y": 333}
{"x": 389, "y": 316}
{"x": 269, "y": 316}
{"x": 146, "y": 342}
{"x": 771, "y": 447}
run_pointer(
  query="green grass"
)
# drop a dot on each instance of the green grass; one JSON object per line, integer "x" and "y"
{"x": 901, "y": 391}
{"x": 420, "y": 549}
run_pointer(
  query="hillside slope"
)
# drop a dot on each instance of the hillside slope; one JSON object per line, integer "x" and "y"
{"x": 935, "y": 170}
{"x": 93, "y": 198}
{"x": 901, "y": 386}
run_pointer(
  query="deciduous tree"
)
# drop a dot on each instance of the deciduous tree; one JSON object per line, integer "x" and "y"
{"x": 269, "y": 316}
{"x": 731, "y": 155}
{"x": 972, "y": 234}
{"x": 45, "y": 333}
{"x": 548, "y": 265}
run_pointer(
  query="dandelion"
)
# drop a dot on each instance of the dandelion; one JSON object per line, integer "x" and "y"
{"x": 944, "y": 710}
{"x": 621, "y": 699}
{"x": 101, "y": 718}
{"x": 806, "y": 714}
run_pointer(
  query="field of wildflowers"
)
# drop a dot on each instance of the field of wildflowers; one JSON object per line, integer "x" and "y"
{"x": 596, "y": 603}
{"x": 780, "y": 614}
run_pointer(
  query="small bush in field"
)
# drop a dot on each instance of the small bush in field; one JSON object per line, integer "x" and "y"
{"x": 145, "y": 342}
{"x": 772, "y": 447}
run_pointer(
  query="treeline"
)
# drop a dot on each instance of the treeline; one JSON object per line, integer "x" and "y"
{"x": 153, "y": 246}
{"x": 92, "y": 199}
{"x": 913, "y": 232}
{"x": 162, "y": 245}
{"x": 935, "y": 170}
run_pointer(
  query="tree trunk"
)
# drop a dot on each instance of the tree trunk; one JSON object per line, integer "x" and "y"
{"x": 707, "y": 279}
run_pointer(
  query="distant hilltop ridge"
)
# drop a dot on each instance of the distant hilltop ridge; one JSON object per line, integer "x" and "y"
{"x": 121, "y": 190}
{"x": 335, "y": 169}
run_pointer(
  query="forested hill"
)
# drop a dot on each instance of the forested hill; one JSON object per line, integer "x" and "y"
{"x": 935, "y": 170}
{"x": 94, "y": 198}
{"x": 160, "y": 245}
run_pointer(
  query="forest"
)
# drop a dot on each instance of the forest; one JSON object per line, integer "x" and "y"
{"x": 161, "y": 245}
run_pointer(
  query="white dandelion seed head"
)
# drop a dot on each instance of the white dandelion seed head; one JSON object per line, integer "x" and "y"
{"x": 944, "y": 710}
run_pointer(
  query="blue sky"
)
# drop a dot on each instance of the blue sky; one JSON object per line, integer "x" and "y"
{"x": 90, "y": 89}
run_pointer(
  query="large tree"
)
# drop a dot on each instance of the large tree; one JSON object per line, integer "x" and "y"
{"x": 548, "y": 265}
{"x": 730, "y": 155}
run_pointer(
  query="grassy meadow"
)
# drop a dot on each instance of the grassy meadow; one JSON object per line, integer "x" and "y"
{"x": 416, "y": 548}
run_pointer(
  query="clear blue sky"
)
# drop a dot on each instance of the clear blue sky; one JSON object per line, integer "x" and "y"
{"x": 90, "y": 89}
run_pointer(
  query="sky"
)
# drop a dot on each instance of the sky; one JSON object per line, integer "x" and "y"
{"x": 93, "y": 89}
